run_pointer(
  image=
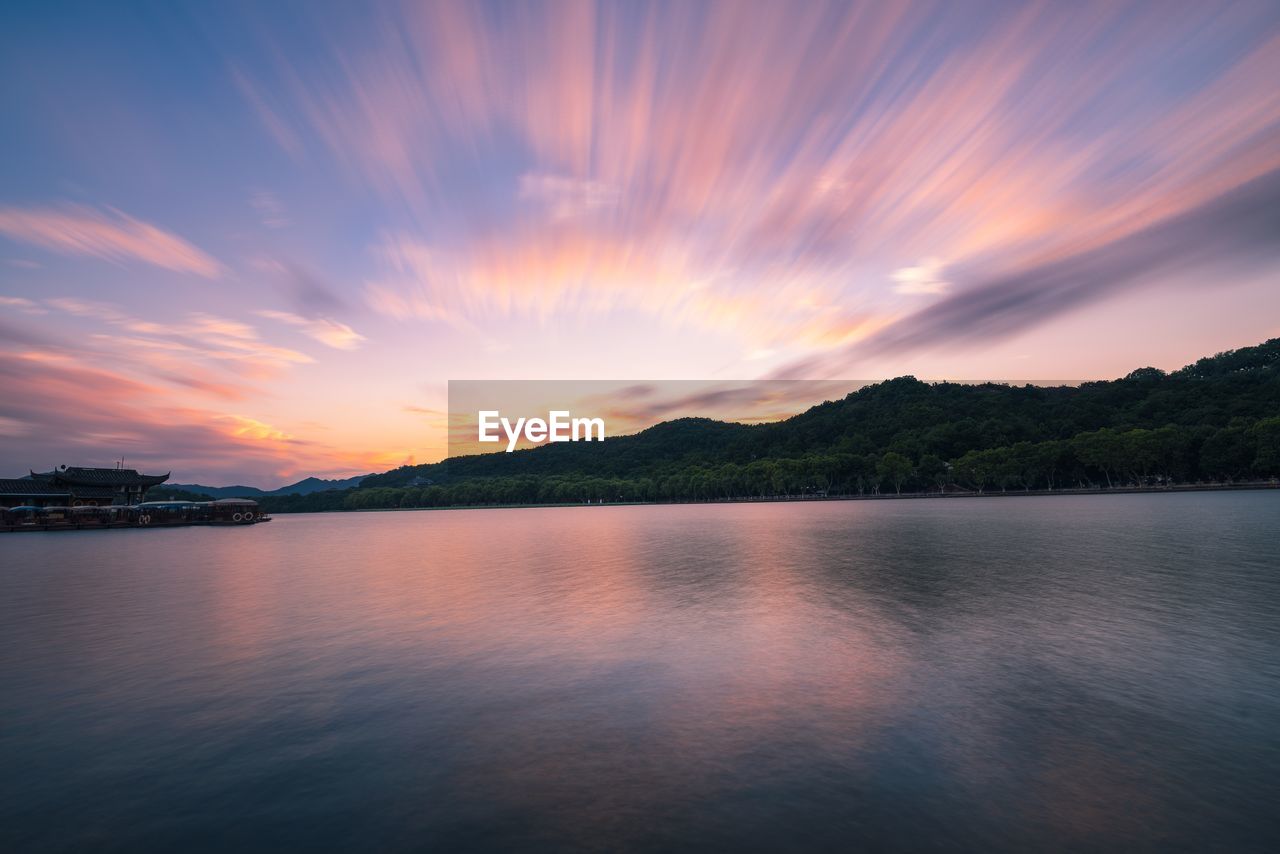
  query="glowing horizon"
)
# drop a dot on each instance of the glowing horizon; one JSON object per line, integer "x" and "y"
{"x": 253, "y": 243}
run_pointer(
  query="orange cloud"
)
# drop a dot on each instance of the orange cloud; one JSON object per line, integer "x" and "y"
{"x": 68, "y": 410}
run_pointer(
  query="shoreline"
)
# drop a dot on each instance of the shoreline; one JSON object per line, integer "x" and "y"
{"x": 1251, "y": 486}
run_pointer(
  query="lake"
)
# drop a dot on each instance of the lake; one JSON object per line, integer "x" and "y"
{"x": 1048, "y": 673}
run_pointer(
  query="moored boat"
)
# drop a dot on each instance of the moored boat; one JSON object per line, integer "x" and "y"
{"x": 149, "y": 514}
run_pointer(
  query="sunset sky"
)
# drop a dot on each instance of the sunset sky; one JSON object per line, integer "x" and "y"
{"x": 251, "y": 243}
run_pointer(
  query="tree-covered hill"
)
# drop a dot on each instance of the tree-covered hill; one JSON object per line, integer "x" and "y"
{"x": 1218, "y": 419}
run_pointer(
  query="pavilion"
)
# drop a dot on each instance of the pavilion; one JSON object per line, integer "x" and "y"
{"x": 76, "y": 486}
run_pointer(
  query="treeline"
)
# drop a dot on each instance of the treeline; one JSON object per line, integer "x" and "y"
{"x": 1215, "y": 421}
{"x": 163, "y": 493}
{"x": 1101, "y": 458}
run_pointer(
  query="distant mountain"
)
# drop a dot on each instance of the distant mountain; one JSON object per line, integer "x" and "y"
{"x": 306, "y": 486}
{"x": 165, "y": 489}
{"x": 1216, "y": 420}
{"x": 910, "y": 418}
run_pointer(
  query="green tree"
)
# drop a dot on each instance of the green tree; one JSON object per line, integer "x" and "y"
{"x": 1228, "y": 453}
{"x": 895, "y": 469}
{"x": 934, "y": 470}
{"x": 1266, "y": 437}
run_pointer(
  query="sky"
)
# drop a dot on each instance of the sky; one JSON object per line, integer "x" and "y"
{"x": 251, "y": 243}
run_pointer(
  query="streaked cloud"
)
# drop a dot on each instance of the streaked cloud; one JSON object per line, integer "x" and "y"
{"x": 565, "y": 197}
{"x": 22, "y": 304}
{"x": 201, "y": 335}
{"x": 1235, "y": 231}
{"x": 251, "y": 428}
{"x": 662, "y": 155}
{"x": 330, "y": 332}
{"x": 924, "y": 278}
{"x": 108, "y": 234}
{"x": 45, "y": 408}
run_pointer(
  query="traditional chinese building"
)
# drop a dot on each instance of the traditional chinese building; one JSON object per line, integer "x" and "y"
{"x": 77, "y": 487}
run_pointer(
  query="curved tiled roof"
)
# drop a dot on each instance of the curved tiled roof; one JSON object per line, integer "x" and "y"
{"x": 102, "y": 477}
{"x": 29, "y": 486}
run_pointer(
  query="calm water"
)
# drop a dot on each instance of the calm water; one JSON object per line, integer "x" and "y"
{"x": 1052, "y": 673}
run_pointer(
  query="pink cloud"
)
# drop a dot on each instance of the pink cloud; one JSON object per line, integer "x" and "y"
{"x": 22, "y": 304}
{"x": 200, "y": 336}
{"x": 110, "y": 234}
{"x": 70, "y": 411}
{"x": 565, "y": 197}
{"x": 768, "y": 171}
{"x": 330, "y": 332}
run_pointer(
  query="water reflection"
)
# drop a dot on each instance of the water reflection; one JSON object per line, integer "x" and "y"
{"x": 1051, "y": 673}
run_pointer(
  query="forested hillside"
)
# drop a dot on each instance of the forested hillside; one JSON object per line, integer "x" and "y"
{"x": 1216, "y": 420}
